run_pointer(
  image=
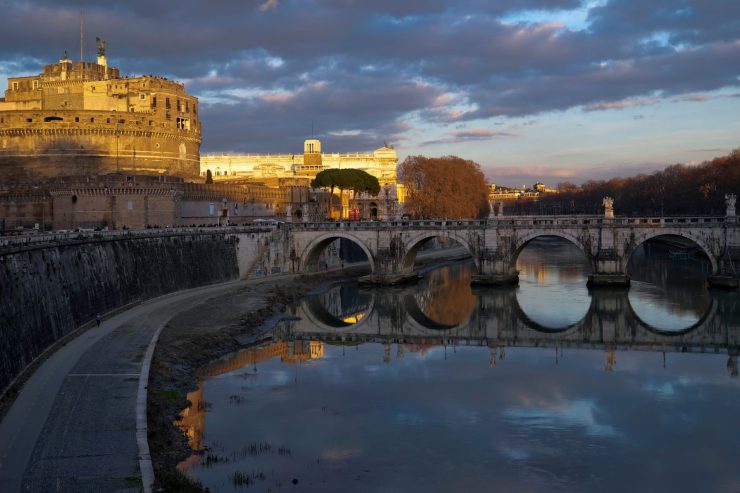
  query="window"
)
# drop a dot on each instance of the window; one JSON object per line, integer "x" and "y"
{"x": 77, "y": 119}
{"x": 107, "y": 120}
{"x": 15, "y": 86}
{"x": 92, "y": 120}
{"x": 167, "y": 103}
{"x": 142, "y": 96}
{"x": 154, "y": 101}
{"x": 183, "y": 123}
{"x": 35, "y": 84}
{"x": 130, "y": 205}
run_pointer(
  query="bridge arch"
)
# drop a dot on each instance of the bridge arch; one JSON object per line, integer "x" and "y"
{"x": 415, "y": 243}
{"x": 522, "y": 241}
{"x": 309, "y": 255}
{"x": 648, "y": 235}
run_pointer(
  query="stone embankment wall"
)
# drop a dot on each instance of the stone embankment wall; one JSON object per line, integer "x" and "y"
{"x": 50, "y": 288}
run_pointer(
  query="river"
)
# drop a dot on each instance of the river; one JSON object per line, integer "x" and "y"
{"x": 547, "y": 386}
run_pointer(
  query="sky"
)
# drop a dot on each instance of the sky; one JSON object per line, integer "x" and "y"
{"x": 532, "y": 90}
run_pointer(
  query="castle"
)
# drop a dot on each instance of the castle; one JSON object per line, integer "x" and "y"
{"x": 83, "y": 119}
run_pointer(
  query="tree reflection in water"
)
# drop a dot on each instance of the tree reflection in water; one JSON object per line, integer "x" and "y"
{"x": 445, "y": 296}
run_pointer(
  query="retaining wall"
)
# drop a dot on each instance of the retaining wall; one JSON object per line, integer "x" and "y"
{"x": 48, "y": 290}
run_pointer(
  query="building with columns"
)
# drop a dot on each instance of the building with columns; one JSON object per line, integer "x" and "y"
{"x": 381, "y": 163}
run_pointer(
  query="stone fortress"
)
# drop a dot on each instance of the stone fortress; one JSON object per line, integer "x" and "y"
{"x": 85, "y": 119}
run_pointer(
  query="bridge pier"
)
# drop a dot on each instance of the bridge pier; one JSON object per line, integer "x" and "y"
{"x": 608, "y": 280}
{"x": 723, "y": 282}
{"x": 504, "y": 279}
{"x": 728, "y": 270}
{"x": 495, "y": 270}
{"x": 389, "y": 269}
{"x": 387, "y": 279}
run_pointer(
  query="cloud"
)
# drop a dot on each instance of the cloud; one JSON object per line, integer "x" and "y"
{"x": 268, "y": 5}
{"x": 468, "y": 136}
{"x": 621, "y": 104}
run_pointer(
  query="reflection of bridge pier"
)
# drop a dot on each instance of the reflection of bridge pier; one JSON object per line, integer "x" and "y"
{"x": 497, "y": 321}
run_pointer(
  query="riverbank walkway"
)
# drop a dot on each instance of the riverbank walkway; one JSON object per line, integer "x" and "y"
{"x": 73, "y": 426}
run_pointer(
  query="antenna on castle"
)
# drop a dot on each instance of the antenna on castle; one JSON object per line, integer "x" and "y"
{"x": 312, "y": 129}
{"x": 82, "y": 31}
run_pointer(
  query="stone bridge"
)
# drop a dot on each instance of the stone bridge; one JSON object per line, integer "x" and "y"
{"x": 498, "y": 321}
{"x": 495, "y": 243}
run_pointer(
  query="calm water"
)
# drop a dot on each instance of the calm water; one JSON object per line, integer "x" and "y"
{"x": 436, "y": 387}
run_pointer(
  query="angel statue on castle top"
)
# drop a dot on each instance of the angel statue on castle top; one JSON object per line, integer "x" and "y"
{"x": 101, "y": 46}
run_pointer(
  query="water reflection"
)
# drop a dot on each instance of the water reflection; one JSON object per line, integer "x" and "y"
{"x": 445, "y": 296}
{"x": 560, "y": 269}
{"x": 379, "y": 390}
{"x": 668, "y": 289}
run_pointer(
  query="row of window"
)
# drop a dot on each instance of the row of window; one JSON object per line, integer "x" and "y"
{"x": 182, "y": 106}
{"x": 15, "y": 86}
{"x": 49, "y": 119}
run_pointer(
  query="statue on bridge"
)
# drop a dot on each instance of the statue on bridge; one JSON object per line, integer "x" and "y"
{"x": 730, "y": 200}
{"x": 608, "y": 204}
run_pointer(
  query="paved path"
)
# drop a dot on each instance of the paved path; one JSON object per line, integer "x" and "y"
{"x": 72, "y": 428}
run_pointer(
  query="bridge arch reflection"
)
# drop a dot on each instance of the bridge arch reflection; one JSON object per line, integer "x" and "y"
{"x": 394, "y": 316}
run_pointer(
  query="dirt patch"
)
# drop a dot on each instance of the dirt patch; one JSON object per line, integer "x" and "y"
{"x": 198, "y": 336}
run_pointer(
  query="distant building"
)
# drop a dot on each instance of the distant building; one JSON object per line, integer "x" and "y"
{"x": 275, "y": 169}
{"x": 499, "y": 194}
{"x": 380, "y": 163}
{"x": 82, "y": 119}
